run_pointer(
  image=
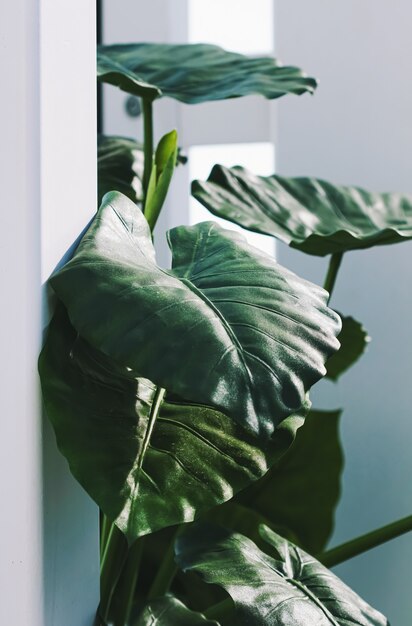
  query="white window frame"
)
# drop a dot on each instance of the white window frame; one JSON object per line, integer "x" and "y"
{"x": 243, "y": 120}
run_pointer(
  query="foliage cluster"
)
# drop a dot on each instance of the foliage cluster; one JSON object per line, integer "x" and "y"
{"x": 180, "y": 397}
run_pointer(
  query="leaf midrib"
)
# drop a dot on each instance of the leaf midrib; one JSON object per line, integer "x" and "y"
{"x": 138, "y": 465}
{"x": 312, "y": 597}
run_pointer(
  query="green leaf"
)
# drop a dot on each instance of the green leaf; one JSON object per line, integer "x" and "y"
{"x": 118, "y": 74}
{"x": 194, "y": 73}
{"x": 120, "y": 167}
{"x": 291, "y": 588}
{"x": 169, "y": 611}
{"x": 227, "y": 327}
{"x": 166, "y": 148}
{"x": 311, "y": 215}
{"x": 144, "y": 473}
{"x": 353, "y": 342}
{"x": 299, "y": 494}
{"x": 161, "y": 176}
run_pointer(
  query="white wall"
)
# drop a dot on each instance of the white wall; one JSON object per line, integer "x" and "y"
{"x": 20, "y": 451}
{"x": 358, "y": 130}
{"x": 49, "y": 529}
{"x": 68, "y": 201}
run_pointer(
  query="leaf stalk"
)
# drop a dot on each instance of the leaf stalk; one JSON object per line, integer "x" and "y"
{"x": 334, "y": 265}
{"x": 126, "y": 588}
{"x": 105, "y": 527}
{"x": 117, "y": 560}
{"x": 112, "y": 563}
{"x": 366, "y": 542}
{"x": 166, "y": 572}
{"x": 220, "y": 610}
{"x": 148, "y": 145}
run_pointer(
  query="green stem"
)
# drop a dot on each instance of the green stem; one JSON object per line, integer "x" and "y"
{"x": 105, "y": 526}
{"x": 117, "y": 561}
{"x": 166, "y": 572}
{"x": 220, "y": 610}
{"x": 98, "y": 620}
{"x": 112, "y": 562}
{"x": 154, "y": 412}
{"x": 125, "y": 591}
{"x": 334, "y": 264}
{"x": 366, "y": 542}
{"x": 148, "y": 145}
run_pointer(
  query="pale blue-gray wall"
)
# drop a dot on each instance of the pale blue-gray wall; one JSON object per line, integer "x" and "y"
{"x": 358, "y": 130}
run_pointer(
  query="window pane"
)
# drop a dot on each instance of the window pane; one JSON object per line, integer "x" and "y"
{"x": 242, "y": 25}
{"x": 258, "y": 157}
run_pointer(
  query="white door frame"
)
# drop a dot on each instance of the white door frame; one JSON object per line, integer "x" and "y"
{"x": 49, "y": 531}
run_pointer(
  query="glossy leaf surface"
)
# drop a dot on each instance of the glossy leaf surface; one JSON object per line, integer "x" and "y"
{"x": 353, "y": 342}
{"x": 227, "y": 326}
{"x": 109, "y": 70}
{"x": 307, "y": 213}
{"x": 194, "y": 73}
{"x": 289, "y": 589}
{"x": 169, "y": 611}
{"x": 299, "y": 494}
{"x": 144, "y": 472}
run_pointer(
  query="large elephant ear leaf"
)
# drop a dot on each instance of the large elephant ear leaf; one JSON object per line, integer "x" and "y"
{"x": 227, "y": 327}
{"x": 195, "y": 73}
{"x": 291, "y": 588}
{"x": 146, "y": 465}
{"x": 309, "y": 214}
{"x": 169, "y": 611}
{"x": 300, "y": 492}
{"x": 353, "y": 340}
